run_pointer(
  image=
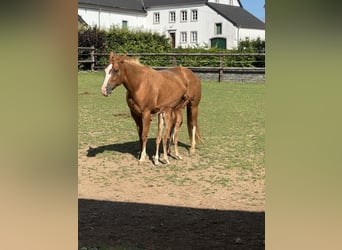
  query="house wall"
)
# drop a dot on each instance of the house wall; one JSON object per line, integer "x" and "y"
{"x": 105, "y": 19}
{"x": 204, "y": 26}
{"x": 252, "y": 34}
{"x": 207, "y": 25}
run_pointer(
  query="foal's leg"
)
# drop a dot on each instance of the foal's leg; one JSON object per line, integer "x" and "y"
{"x": 146, "y": 121}
{"x": 178, "y": 124}
{"x": 159, "y": 137}
{"x": 166, "y": 135}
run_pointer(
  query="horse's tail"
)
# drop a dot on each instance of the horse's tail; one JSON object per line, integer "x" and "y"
{"x": 191, "y": 113}
{"x": 198, "y": 137}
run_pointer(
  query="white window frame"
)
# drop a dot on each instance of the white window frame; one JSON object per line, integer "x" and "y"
{"x": 183, "y": 37}
{"x": 192, "y": 15}
{"x": 170, "y": 16}
{"x": 182, "y": 12}
{"x": 124, "y": 24}
{"x": 216, "y": 33}
{"x": 156, "y": 18}
{"x": 193, "y": 34}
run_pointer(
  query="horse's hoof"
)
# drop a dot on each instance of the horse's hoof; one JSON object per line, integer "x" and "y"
{"x": 178, "y": 157}
{"x": 192, "y": 151}
{"x": 142, "y": 160}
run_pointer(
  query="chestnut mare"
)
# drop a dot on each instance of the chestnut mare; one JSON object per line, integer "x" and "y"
{"x": 150, "y": 91}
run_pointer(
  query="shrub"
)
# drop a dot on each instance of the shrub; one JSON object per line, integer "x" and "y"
{"x": 123, "y": 40}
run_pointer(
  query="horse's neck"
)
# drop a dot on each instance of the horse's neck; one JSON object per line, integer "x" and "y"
{"x": 133, "y": 75}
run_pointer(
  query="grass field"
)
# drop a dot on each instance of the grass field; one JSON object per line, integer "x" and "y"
{"x": 232, "y": 125}
{"x": 225, "y": 174}
{"x": 231, "y": 120}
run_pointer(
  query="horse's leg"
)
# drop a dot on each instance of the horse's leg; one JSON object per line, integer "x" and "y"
{"x": 170, "y": 140}
{"x": 146, "y": 121}
{"x": 166, "y": 135}
{"x": 159, "y": 137}
{"x": 192, "y": 111}
{"x": 179, "y": 121}
{"x": 139, "y": 126}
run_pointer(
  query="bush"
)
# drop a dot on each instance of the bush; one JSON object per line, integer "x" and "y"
{"x": 253, "y": 46}
{"x": 122, "y": 40}
{"x": 92, "y": 37}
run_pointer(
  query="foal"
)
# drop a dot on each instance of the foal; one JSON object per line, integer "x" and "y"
{"x": 172, "y": 119}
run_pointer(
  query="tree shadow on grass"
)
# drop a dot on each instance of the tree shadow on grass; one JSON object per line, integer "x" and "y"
{"x": 107, "y": 225}
{"x": 132, "y": 147}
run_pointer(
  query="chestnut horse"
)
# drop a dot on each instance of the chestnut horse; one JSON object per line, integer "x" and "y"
{"x": 150, "y": 91}
{"x": 172, "y": 118}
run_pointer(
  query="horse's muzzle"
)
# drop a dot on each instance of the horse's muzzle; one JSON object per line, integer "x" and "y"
{"x": 109, "y": 90}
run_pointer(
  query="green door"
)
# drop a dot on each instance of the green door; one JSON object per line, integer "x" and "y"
{"x": 218, "y": 42}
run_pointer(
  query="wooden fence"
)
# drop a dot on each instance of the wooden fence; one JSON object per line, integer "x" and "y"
{"x": 87, "y": 56}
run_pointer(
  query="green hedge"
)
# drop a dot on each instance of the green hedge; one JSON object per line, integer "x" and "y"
{"x": 128, "y": 41}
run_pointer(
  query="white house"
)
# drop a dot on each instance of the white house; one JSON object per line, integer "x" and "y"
{"x": 221, "y": 23}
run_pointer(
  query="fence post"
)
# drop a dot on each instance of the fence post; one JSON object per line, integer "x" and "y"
{"x": 221, "y": 69}
{"x": 174, "y": 61}
{"x": 92, "y": 57}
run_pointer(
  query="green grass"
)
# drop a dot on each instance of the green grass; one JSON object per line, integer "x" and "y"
{"x": 231, "y": 121}
{"x": 232, "y": 125}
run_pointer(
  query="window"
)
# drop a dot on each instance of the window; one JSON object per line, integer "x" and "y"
{"x": 183, "y": 37}
{"x": 193, "y": 36}
{"x": 194, "y": 15}
{"x": 124, "y": 24}
{"x": 172, "y": 17}
{"x": 218, "y": 28}
{"x": 156, "y": 18}
{"x": 184, "y": 16}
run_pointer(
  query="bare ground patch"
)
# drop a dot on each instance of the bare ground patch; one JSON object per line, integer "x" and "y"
{"x": 184, "y": 205}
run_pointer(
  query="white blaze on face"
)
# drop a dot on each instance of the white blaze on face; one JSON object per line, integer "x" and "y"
{"x": 105, "y": 82}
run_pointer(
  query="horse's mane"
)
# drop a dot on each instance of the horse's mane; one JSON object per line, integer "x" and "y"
{"x": 136, "y": 61}
{"x": 133, "y": 60}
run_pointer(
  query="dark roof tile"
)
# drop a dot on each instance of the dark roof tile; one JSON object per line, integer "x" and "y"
{"x": 156, "y": 3}
{"x": 238, "y": 16}
{"x": 134, "y": 5}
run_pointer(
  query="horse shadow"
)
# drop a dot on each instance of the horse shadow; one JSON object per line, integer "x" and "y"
{"x": 131, "y": 225}
{"x": 132, "y": 147}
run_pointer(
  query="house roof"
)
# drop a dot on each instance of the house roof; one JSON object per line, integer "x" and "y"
{"x": 131, "y": 5}
{"x": 157, "y": 3}
{"x": 81, "y": 20}
{"x": 235, "y": 14}
{"x": 238, "y": 16}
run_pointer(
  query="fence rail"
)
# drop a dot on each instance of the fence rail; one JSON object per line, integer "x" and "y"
{"x": 87, "y": 56}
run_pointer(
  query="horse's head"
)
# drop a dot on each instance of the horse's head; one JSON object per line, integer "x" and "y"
{"x": 113, "y": 74}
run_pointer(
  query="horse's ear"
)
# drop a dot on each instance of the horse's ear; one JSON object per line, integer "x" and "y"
{"x": 111, "y": 56}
